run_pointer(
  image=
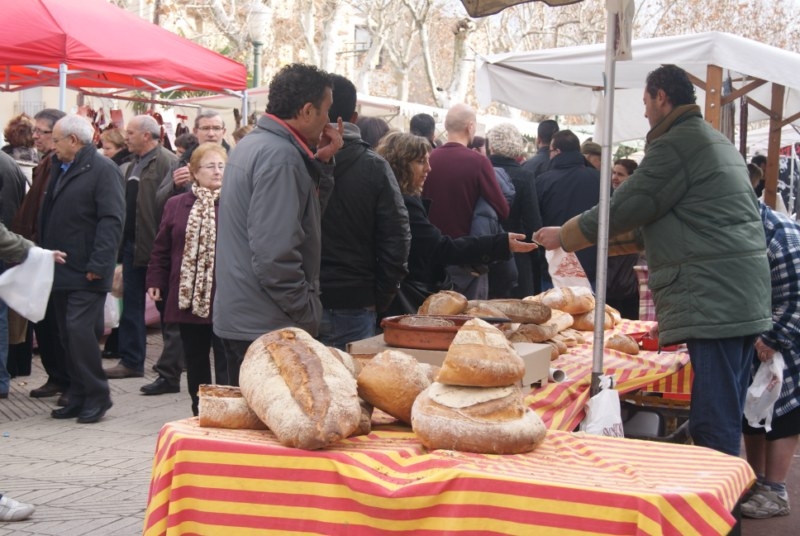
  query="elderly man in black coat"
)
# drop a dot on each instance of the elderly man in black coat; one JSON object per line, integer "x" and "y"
{"x": 82, "y": 214}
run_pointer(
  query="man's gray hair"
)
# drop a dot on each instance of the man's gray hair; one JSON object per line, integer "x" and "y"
{"x": 78, "y": 126}
{"x": 51, "y": 115}
{"x": 147, "y": 123}
{"x": 207, "y": 114}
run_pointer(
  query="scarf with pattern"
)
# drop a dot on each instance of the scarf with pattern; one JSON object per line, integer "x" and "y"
{"x": 197, "y": 265}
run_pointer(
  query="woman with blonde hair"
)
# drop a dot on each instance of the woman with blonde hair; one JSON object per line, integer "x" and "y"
{"x": 431, "y": 251}
{"x": 181, "y": 269}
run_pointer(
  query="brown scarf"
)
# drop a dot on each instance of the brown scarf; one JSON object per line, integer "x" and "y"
{"x": 197, "y": 265}
{"x": 666, "y": 123}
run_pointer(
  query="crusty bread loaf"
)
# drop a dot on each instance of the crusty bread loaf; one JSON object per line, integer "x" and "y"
{"x": 484, "y": 308}
{"x": 300, "y": 389}
{"x": 527, "y": 312}
{"x": 560, "y": 320}
{"x": 223, "y": 406}
{"x": 425, "y": 321}
{"x": 480, "y": 355}
{"x": 573, "y": 300}
{"x": 472, "y": 419}
{"x": 354, "y": 366}
{"x": 585, "y": 321}
{"x": 616, "y": 316}
{"x": 391, "y": 381}
{"x": 533, "y": 333}
{"x": 444, "y": 302}
{"x": 622, "y": 343}
{"x": 575, "y": 334}
{"x": 567, "y": 339}
{"x": 554, "y": 352}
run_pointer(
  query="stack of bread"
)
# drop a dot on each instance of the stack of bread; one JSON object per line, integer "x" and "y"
{"x": 303, "y": 391}
{"x": 476, "y": 403}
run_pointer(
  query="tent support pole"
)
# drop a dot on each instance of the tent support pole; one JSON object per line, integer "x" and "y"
{"x": 62, "y": 87}
{"x": 605, "y": 188}
{"x": 713, "y": 95}
{"x": 774, "y": 145}
{"x": 245, "y": 112}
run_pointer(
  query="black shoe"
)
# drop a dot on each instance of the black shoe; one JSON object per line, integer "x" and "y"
{"x": 91, "y": 415}
{"x": 62, "y": 401}
{"x": 46, "y": 390}
{"x": 159, "y": 387}
{"x": 109, "y": 354}
{"x": 68, "y": 412}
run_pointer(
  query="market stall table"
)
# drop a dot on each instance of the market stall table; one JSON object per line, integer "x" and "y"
{"x": 214, "y": 481}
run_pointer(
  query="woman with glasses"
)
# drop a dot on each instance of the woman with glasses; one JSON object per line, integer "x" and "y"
{"x": 182, "y": 263}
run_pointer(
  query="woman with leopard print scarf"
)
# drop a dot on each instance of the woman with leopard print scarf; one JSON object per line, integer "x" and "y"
{"x": 181, "y": 269}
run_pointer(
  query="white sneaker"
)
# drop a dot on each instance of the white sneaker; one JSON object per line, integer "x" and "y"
{"x": 11, "y": 510}
{"x": 766, "y": 503}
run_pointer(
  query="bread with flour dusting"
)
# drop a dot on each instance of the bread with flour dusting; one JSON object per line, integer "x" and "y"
{"x": 300, "y": 389}
{"x": 474, "y": 419}
{"x": 223, "y": 406}
{"x": 481, "y": 356}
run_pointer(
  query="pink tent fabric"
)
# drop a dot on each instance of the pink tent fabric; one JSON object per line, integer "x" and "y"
{"x": 103, "y": 46}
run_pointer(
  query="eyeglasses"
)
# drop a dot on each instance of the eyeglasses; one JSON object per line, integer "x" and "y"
{"x": 212, "y": 167}
{"x": 40, "y": 131}
{"x": 215, "y": 128}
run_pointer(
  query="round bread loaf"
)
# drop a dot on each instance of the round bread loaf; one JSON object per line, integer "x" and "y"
{"x": 573, "y": 300}
{"x": 444, "y": 302}
{"x": 391, "y": 381}
{"x": 480, "y": 355}
{"x": 354, "y": 367}
{"x": 300, "y": 389}
{"x": 622, "y": 343}
{"x": 425, "y": 321}
{"x": 223, "y": 406}
{"x": 472, "y": 419}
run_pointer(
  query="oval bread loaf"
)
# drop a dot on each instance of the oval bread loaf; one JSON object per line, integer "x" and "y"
{"x": 533, "y": 333}
{"x": 391, "y": 381}
{"x": 622, "y": 343}
{"x": 480, "y": 355}
{"x": 527, "y": 312}
{"x": 223, "y": 406}
{"x": 472, "y": 419}
{"x": 585, "y": 321}
{"x": 573, "y": 300}
{"x": 444, "y": 302}
{"x": 300, "y": 389}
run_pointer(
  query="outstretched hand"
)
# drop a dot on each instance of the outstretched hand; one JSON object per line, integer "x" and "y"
{"x": 517, "y": 244}
{"x": 60, "y": 257}
{"x": 548, "y": 237}
{"x": 330, "y": 141}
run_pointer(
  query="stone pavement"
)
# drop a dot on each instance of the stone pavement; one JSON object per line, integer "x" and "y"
{"x": 92, "y": 479}
{"x": 85, "y": 479}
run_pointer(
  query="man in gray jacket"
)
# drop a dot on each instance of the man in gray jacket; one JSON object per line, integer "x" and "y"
{"x": 269, "y": 237}
{"x": 691, "y": 206}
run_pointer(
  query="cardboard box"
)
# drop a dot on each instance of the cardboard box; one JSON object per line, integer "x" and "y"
{"x": 535, "y": 356}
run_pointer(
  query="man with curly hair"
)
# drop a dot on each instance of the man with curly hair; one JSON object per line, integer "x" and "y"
{"x": 269, "y": 239}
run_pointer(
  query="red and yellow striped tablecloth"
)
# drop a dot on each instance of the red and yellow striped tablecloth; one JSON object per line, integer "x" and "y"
{"x": 562, "y": 405}
{"x": 243, "y": 482}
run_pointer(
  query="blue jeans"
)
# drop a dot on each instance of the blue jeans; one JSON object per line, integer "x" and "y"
{"x": 721, "y": 377}
{"x": 5, "y": 378}
{"x": 340, "y": 326}
{"x": 132, "y": 328}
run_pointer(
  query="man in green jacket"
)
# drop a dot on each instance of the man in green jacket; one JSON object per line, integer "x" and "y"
{"x": 690, "y": 205}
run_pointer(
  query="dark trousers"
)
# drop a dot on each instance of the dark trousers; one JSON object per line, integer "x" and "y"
{"x": 132, "y": 328}
{"x": 171, "y": 361}
{"x": 234, "y": 354}
{"x": 198, "y": 339}
{"x": 51, "y": 347}
{"x": 79, "y": 315}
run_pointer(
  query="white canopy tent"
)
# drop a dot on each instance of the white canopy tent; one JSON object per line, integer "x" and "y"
{"x": 570, "y": 81}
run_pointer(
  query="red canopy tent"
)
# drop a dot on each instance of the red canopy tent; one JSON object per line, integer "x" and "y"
{"x": 94, "y": 44}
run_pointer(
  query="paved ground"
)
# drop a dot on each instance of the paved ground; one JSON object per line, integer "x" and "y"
{"x": 93, "y": 479}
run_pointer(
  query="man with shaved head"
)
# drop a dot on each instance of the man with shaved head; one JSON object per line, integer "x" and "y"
{"x": 458, "y": 178}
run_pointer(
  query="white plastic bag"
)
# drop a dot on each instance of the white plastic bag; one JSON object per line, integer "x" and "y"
{"x": 764, "y": 392}
{"x": 111, "y": 312}
{"x": 603, "y": 415}
{"x": 565, "y": 269}
{"x": 30, "y": 301}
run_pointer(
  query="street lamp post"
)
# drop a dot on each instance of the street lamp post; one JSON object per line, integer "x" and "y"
{"x": 258, "y": 24}
{"x": 256, "y": 63}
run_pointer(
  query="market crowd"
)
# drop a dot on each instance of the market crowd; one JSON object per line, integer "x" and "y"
{"x": 322, "y": 219}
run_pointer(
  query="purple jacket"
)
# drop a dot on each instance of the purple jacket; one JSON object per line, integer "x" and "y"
{"x": 163, "y": 271}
